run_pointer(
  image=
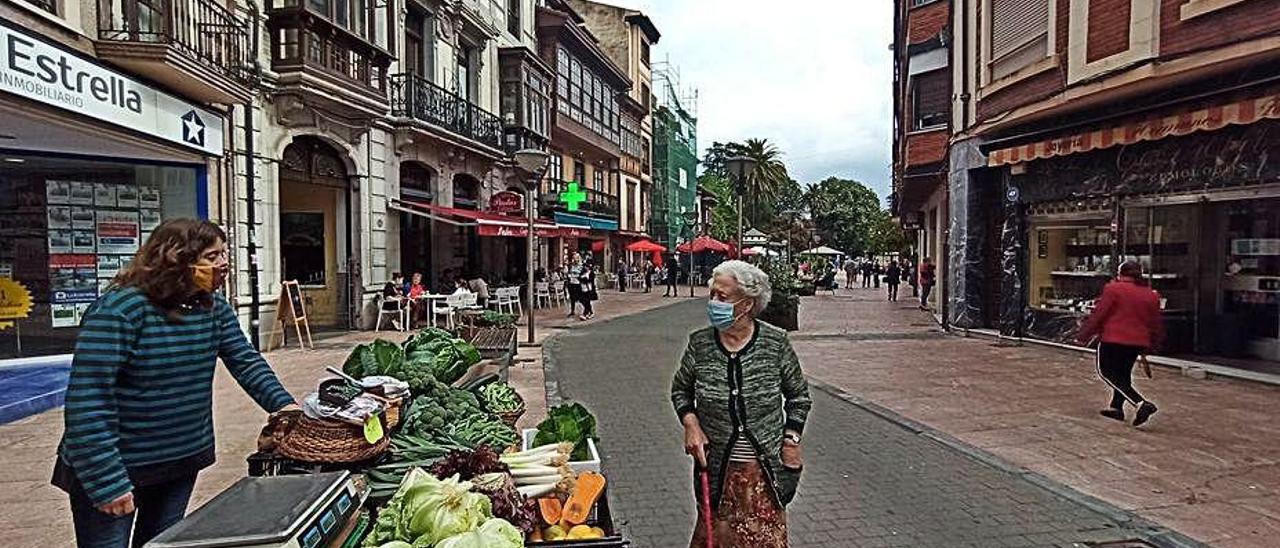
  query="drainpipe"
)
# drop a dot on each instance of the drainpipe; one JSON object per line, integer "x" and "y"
{"x": 250, "y": 196}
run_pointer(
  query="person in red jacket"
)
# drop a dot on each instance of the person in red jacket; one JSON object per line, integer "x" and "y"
{"x": 1127, "y": 319}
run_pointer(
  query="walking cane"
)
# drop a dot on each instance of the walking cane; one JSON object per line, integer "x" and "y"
{"x": 705, "y": 481}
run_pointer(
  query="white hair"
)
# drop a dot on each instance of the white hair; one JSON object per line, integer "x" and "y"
{"x": 753, "y": 281}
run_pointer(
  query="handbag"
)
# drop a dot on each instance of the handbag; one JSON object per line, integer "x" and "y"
{"x": 1146, "y": 365}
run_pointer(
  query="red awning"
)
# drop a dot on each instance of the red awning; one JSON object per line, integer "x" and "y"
{"x": 646, "y": 246}
{"x": 1246, "y": 111}
{"x": 704, "y": 243}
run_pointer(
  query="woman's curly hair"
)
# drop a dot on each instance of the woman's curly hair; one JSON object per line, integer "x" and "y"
{"x": 162, "y": 267}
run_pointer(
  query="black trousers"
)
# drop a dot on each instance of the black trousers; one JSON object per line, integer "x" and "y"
{"x": 1115, "y": 365}
{"x": 893, "y": 292}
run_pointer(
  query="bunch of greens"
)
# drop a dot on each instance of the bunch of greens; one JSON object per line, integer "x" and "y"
{"x": 407, "y": 452}
{"x": 499, "y": 397}
{"x": 467, "y": 464}
{"x": 438, "y": 351}
{"x": 426, "y": 511}
{"x": 482, "y": 429}
{"x": 507, "y": 501}
{"x": 436, "y": 408}
{"x": 496, "y": 319}
{"x": 376, "y": 358}
{"x": 570, "y": 422}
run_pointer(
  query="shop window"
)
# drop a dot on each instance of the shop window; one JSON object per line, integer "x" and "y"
{"x": 302, "y": 248}
{"x": 1250, "y": 279}
{"x": 69, "y": 226}
{"x": 1070, "y": 262}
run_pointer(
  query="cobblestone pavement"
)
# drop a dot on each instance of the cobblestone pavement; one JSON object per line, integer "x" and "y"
{"x": 868, "y": 482}
{"x": 1207, "y": 466}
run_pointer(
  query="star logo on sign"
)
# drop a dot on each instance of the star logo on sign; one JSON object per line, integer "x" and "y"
{"x": 193, "y": 128}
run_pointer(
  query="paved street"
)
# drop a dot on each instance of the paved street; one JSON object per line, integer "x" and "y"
{"x": 868, "y": 482}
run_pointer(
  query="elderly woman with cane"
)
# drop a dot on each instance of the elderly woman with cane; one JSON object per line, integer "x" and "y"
{"x": 743, "y": 401}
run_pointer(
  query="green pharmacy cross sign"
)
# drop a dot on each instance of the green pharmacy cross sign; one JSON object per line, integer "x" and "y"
{"x": 572, "y": 196}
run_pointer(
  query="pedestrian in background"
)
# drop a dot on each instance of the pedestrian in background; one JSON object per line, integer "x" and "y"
{"x": 622, "y": 275}
{"x": 393, "y": 297}
{"x": 139, "y": 404}
{"x": 573, "y": 283}
{"x": 909, "y": 274}
{"x": 928, "y": 276}
{"x": 850, "y": 273}
{"x": 648, "y": 274}
{"x": 673, "y": 279}
{"x": 742, "y": 429}
{"x": 892, "y": 277}
{"x": 876, "y": 272}
{"x": 866, "y": 274}
{"x": 587, "y": 291}
{"x": 1128, "y": 321}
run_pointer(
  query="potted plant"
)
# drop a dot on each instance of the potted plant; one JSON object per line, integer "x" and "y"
{"x": 783, "y": 309}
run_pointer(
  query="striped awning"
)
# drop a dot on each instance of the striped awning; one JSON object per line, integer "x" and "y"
{"x": 1246, "y": 111}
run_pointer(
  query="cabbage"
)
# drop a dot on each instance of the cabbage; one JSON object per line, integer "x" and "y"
{"x": 495, "y": 533}
{"x": 447, "y": 510}
{"x": 396, "y": 544}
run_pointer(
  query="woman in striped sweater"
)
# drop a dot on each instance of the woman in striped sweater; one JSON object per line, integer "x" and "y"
{"x": 139, "y": 417}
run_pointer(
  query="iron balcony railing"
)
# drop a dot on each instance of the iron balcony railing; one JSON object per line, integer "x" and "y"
{"x": 416, "y": 97}
{"x": 203, "y": 30}
{"x": 597, "y": 203}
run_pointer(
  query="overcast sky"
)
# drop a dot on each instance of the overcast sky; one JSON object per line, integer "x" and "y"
{"x": 812, "y": 76}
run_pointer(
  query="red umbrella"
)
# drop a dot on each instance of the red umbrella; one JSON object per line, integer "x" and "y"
{"x": 704, "y": 243}
{"x": 646, "y": 246}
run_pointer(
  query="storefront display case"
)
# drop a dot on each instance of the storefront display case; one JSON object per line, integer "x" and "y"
{"x": 1070, "y": 261}
{"x": 1165, "y": 240}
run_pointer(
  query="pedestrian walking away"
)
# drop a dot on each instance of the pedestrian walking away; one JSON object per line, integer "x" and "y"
{"x": 927, "y": 277}
{"x": 742, "y": 428}
{"x": 876, "y": 272}
{"x": 621, "y": 273}
{"x": 1127, "y": 321}
{"x": 134, "y": 440}
{"x": 866, "y": 274}
{"x": 850, "y": 273}
{"x": 892, "y": 277}
{"x": 648, "y": 275}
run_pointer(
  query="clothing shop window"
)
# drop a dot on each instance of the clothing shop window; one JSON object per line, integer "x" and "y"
{"x": 1019, "y": 35}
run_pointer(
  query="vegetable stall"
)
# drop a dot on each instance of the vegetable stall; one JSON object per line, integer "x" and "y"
{"x": 422, "y": 445}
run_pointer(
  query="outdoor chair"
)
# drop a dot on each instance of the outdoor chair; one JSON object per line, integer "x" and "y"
{"x": 504, "y": 299}
{"x": 558, "y": 297}
{"x": 542, "y": 294}
{"x": 400, "y": 313}
{"x": 451, "y": 304}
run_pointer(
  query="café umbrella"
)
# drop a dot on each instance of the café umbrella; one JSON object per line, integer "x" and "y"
{"x": 646, "y": 246}
{"x": 704, "y": 243}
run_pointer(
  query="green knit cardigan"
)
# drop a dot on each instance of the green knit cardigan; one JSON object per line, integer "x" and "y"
{"x": 758, "y": 392}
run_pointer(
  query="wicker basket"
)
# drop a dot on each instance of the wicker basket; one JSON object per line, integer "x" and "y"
{"x": 328, "y": 441}
{"x": 509, "y": 418}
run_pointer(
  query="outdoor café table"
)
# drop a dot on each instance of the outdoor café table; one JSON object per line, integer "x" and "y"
{"x": 427, "y": 300}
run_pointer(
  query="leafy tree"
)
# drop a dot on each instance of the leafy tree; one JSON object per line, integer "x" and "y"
{"x": 887, "y": 236}
{"x": 845, "y": 214}
{"x": 724, "y": 216}
{"x": 766, "y": 183}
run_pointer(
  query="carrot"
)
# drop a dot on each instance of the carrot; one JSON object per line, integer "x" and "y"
{"x": 550, "y": 509}
{"x": 590, "y": 486}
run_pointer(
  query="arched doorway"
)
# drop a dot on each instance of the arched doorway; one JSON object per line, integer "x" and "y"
{"x": 416, "y": 232}
{"x": 316, "y": 237}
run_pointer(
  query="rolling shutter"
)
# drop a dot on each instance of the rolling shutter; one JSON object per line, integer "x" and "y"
{"x": 1014, "y": 23}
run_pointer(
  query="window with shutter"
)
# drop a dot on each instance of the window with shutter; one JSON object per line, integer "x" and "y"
{"x": 1019, "y": 34}
{"x": 930, "y": 99}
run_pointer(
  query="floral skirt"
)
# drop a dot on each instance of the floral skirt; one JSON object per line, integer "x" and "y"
{"x": 748, "y": 515}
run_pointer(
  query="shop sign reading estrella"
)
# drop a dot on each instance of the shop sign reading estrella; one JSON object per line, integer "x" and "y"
{"x": 572, "y": 196}
{"x": 15, "y": 302}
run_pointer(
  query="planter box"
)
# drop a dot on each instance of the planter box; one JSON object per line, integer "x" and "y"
{"x": 593, "y": 464}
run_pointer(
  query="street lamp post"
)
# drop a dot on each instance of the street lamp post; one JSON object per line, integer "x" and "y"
{"x": 739, "y": 168}
{"x": 533, "y": 162}
{"x": 691, "y": 222}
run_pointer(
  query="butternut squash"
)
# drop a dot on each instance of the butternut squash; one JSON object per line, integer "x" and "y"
{"x": 590, "y": 486}
{"x": 551, "y": 510}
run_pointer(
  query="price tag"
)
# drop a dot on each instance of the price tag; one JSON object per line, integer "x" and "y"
{"x": 372, "y": 430}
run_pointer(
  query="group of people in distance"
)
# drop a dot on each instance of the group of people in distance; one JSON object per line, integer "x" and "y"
{"x": 399, "y": 293}
{"x": 893, "y": 273}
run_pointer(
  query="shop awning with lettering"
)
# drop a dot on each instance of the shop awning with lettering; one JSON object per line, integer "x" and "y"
{"x": 595, "y": 223}
{"x": 1245, "y": 111}
{"x": 488, "y": 224}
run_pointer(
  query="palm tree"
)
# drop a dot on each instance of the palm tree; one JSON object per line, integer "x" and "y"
{"x": 764, "y": 182}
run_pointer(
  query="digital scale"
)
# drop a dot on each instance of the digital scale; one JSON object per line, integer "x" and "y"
{"x": 305, "y": 511}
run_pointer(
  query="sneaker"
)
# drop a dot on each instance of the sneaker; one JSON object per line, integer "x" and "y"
{"x": 1144, "y": 413}
{"x": 1112, "y": 413}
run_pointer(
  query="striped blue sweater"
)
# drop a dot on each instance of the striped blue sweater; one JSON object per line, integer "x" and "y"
{"x": 141, "y": 389}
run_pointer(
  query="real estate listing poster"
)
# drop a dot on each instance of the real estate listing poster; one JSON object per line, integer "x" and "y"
{"x": 104, "y": 195}
{"x": 59, "y": 217}
{"x": 59, "y": 241}
{"x": 81, "y": 193}
{"x": 82, "y": 218}
{"x": 57, "y": 192}
{"x": 118, "y": 232}
{"x": 126, "y": 196}
{"x": 64, "y": 315}
{"x": 73, "y": 278}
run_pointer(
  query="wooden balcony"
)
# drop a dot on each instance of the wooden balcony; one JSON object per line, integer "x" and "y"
{"x": 196, "y": 47}
{"x": 416, "y": 99}
{"x": 326, "y": 64}
{"x": 597, "y": 204}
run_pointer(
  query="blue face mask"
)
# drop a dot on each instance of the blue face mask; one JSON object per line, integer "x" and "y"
{"x": 721, "y": 314}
